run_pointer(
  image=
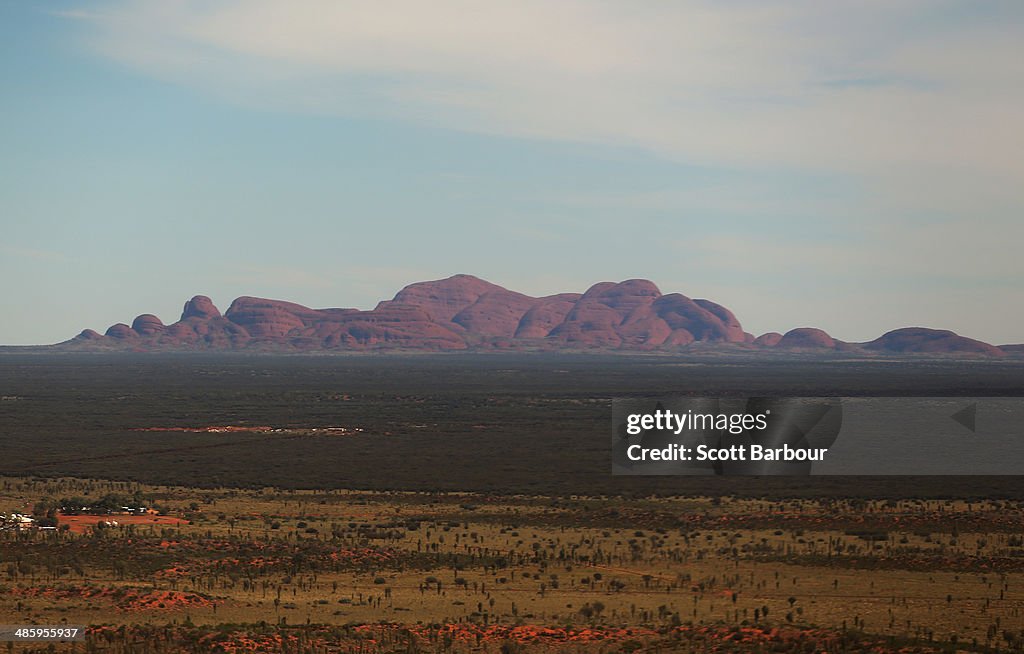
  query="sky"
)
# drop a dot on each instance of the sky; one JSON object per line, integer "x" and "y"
{"x": 851, "y": 165}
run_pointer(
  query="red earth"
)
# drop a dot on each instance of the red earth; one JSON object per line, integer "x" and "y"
{"x": 80, "y": 524}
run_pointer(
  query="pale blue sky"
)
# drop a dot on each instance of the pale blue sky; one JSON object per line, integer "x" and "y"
{"x": 852, "y": 166}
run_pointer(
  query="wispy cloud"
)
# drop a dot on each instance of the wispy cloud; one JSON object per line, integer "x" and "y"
{"x": 876, "y": 89}
{"x": 873, "y": 143}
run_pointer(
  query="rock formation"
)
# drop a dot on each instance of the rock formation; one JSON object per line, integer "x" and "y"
{"x": 931, "y": 341}
{"x": 806, "y": 338}
{"x": 463, "y": 312}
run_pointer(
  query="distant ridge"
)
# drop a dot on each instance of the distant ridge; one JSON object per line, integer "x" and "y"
{"x": 464, "y": 312}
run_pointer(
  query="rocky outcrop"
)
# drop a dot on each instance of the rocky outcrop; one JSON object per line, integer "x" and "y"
{"x": 215, "y": 333}
{"x": 705, "y": 321}
{"x": 930, "y": 341}
{"x": 495, "y": 313}
{"x": 634, "y": 314}
{"x": 121, "y": 331}
{"x": 768, "y": 339}
{"x": 269, "y": 318}
{"x": 463, "y": 312}
{"x": 807, "y": 338}
{"x": 909, "y": 340}
{"x": 593, "y": 320}
{"x": 546, "y": 314}
{"x": 200, "y": 307}
{"x": 147, "y": 324}
{"x": 444, "y": 298}
{"x": 732, "y": 330}
{"x": 397, "y": 326}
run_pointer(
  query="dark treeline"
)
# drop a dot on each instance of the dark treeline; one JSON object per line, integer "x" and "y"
{"x": 501, "y": 423}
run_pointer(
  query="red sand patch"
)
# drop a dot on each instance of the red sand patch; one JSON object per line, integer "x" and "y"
{"x": 80, "y": 524}
{"x": 125, "y": 598}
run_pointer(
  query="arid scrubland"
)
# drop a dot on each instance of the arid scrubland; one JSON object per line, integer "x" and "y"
{"x": 382, "y": 571}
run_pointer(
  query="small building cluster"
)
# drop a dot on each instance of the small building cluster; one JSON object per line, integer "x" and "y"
{"x": 16, "y": 521}
{"x": 78, "y": 509}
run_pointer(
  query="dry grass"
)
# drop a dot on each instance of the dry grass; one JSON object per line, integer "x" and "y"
{"x": 918, "y": 569}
